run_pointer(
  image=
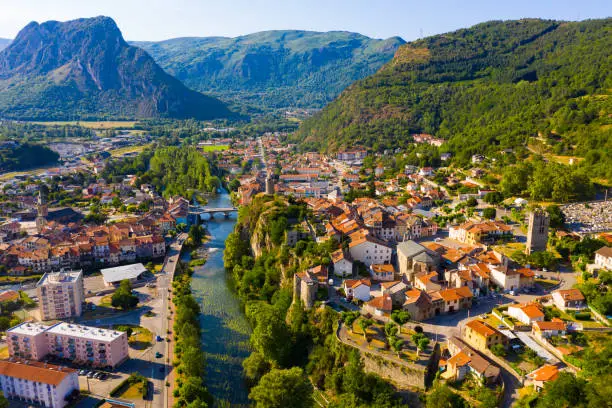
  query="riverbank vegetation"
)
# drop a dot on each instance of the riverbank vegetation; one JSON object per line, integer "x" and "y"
{"x": 188, "y": 356}
{"x": 287, "y": 340}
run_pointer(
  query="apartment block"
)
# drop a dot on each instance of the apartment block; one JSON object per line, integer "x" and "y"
{"x": 81, "y": 344}
{"x": 60, "y": 295}
{"x": 37, "y": 383}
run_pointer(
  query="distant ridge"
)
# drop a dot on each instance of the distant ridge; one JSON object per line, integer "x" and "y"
{"x": 84, "y": 69}
{"x": 279, "y": 68}
{"x": 4, "y": 42}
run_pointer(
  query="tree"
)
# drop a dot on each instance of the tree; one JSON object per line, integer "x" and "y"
{"x": 364, "y": 324}
{"x": 499, "y": 350}
{"x": 349, "y": 318}
{"x": 390, "y": 330}
{"x": 255, "y": 366}
{"x": 443, "y": 397}
{"x": 123, "y": 296}
{"x": 196, "y": 233}
{"x": 3, "y": 401}
{"x": 493, "y": 198}
{"x": 489, "y": 213}
{"x": 422, "y": 344}
{"x": 400, "y": 317}
{"x": 556, "y": 216}
{"x": 565, "y": 391}
{"x": 283, "y": 388}
{"x": 471, "y": 202}
{"x": 233, "y": 185}
{"x": 396, "y": 344}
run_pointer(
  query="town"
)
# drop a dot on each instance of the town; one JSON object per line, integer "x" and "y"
{"x": 433, "y": 250}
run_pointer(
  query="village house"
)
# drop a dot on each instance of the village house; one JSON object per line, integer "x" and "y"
{"x": 543, "y": 329}
{"x": 427, "y": 281}
{"x": 396, "y": 290}
{"x": 483, "y": 232}
{"x": 343, "y": 264}
{"x": 603, "y": 258}
{"x": 526, "y": 313}
{"x": 569, "y": 299}
{"x": 382, "y": 272}
{"x": 357, "y": 289}
{"x": 481, "y": 336}
{"x": 542, "y": 375}
{"x": 465, "y": 360}
{"x": 379, "y": 306}
{"x": 369, "y": 250}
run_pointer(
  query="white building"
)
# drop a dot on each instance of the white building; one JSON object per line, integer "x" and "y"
{"x": 370, "y": 250}
{"x": 357, "y": 289}
{"x": 37, "y": 383}
{"x": 114, "y": 276}
{"x": 343, "y": 264}
{"x": 507, "y": 279}
{"x": 526, "y": 313}
{"x": 60, "y": 295}
{"x": 603, "y": 258}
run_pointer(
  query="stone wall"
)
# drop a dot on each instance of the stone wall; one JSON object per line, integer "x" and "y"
{"x": 403, "y": 376}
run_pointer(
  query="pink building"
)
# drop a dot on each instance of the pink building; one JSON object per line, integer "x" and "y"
{"x": 80, "y": 344}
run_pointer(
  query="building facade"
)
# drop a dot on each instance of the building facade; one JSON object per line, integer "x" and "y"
{"x": 60, "y": 295}
{"x": 80, "y": 344}
{"x": 37, "y": 383}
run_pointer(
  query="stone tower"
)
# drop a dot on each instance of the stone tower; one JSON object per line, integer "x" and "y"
{"x": 305, "y": 288}
{"x": 270, "y": 184}
{"x": 41, "y": 211}
{"x": 537, "y": 234}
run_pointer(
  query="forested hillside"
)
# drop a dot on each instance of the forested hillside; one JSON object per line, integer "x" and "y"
{"x": 273, "y": 68}
{"x": 25, "y": 156}
{"x": 484, "y": 89}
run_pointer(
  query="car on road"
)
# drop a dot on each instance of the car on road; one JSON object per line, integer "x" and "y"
{"x": 159, "y": 338}
{"x": 158, "y": 355}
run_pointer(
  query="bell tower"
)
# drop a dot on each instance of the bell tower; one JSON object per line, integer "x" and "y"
{"x": 41, "y": 211}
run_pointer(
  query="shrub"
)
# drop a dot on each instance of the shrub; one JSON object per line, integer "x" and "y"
{"x": 583, "y": 316}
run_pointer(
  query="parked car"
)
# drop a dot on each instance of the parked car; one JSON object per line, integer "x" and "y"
{"x": 158, "y": 355}
{"x": 159, "y": 338}
{"x": 90, "y": 374}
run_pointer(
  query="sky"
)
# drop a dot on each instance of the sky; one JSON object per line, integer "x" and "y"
{"x": 156, "y": 20}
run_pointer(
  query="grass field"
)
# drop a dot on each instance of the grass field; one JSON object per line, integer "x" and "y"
{"x": 35, "y": 172}
{"x": 215, "y": 148}
{"x": 93, "y": 125}
{"x": 129, "y": 149}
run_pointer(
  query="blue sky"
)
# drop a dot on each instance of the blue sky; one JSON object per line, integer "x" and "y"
{"x": 162, "y": 19}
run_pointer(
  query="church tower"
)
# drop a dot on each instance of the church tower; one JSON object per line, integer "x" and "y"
{"x": 537, "y": 233}
{"x": 41, "y": 211}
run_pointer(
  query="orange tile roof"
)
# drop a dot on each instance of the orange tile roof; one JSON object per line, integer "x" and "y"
{"x": 383, "y": 303}
{"x": 545, "y": 373}
{"x": 35, "y": 371}
{"x": 555, "y": 324}
{"x": 570, "y": 294}
{"x": 482, "y": 328}
{"x": 532, "y": 310}
{"x": 459, "y": 359}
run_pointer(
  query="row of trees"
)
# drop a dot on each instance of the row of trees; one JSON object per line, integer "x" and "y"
{"x": 189, "y": 360}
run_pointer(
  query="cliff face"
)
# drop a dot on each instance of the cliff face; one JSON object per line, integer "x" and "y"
{"x": 84, "y": 68}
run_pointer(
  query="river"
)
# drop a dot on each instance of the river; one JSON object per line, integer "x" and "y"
{"x": 225, "y": 331}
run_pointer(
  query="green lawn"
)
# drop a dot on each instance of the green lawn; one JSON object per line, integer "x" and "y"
{"x": 214, "y": 148}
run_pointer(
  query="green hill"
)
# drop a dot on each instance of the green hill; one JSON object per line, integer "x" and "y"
{"x": 484, "y": 89}
{"x": 273, "y": 68}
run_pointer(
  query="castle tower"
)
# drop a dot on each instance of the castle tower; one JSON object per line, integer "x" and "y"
{"x": 270, "y": 185}
{"x": 41, "y": 211}
{"x": 537, "y": 234}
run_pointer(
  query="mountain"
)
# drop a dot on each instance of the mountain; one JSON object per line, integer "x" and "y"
{"x": 84, "y": 69}
{"x": 4, "y": 42}
{"x": 483, "y": 89}
{"x": 273, "y": 68}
